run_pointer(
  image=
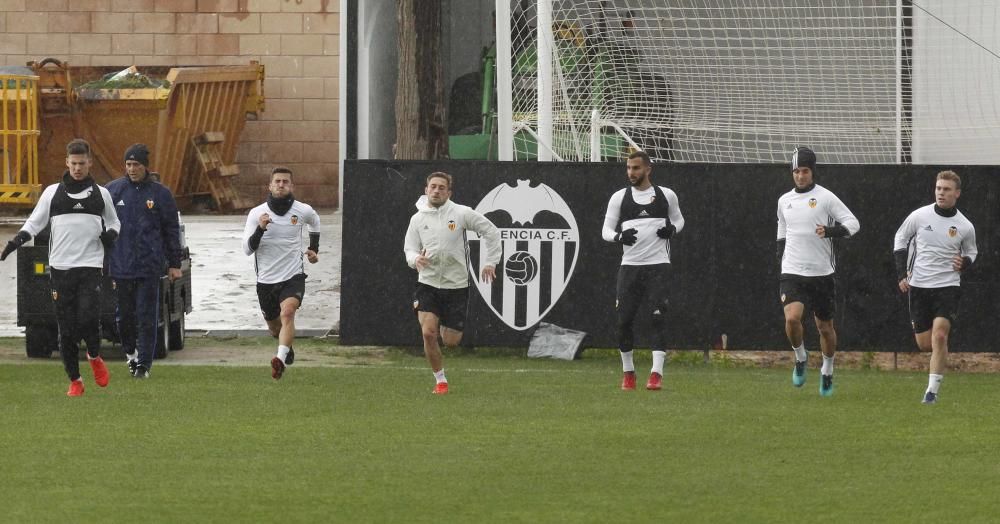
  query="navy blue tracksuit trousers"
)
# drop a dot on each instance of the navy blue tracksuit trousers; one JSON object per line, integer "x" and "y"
{"x": 137, "y": 315}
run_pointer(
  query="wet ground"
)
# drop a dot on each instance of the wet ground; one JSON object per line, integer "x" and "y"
{"x": 224, "y": 296}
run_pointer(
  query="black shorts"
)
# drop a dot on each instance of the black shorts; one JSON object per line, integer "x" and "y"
{"x": 448, "y": 304}
{"x": 926, "y": 304}
{"x": 638, "y": 283}
{"x": 819, "y": 293}
{"x": 271, "y": 296}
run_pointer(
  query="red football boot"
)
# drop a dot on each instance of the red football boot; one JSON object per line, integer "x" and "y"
{"x": 655, "y": 382}
{"x": 101, "y": 375}
{"x": 277, "y": 368}
{"x": 628, "y": 381}
{"x": 75, "y": 388}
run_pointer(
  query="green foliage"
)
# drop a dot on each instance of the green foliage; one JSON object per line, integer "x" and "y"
{"x": 131, "y": 81}
{"x": 868, "y": 360}
{"x": 517, "y": 440}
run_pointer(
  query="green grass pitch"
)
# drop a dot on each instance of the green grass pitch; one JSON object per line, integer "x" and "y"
{"x": 517, "y": 440}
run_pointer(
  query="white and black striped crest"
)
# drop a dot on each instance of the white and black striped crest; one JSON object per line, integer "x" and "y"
{"x": 540, "y": 246}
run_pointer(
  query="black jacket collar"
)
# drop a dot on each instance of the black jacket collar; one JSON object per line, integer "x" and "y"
{"x": 74, "y": 186}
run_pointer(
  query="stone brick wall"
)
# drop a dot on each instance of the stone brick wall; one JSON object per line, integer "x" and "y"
{"x": 298, "y": 42}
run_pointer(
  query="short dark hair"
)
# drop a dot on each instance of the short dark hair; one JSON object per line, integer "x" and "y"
{"x": 951, "y": 175}
{"x": 78, "y": 146}
{"x": 643, "y": 155}
{"x": 439, "y": 174}
{"x": 281, "y": 169}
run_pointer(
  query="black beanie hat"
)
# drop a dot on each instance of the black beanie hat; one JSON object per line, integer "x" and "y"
{"x": 139, "y": 153}
{"x": 804, "y": 157}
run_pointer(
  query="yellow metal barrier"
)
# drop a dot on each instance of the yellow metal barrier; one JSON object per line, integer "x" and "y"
{"x": 19, "y": 139}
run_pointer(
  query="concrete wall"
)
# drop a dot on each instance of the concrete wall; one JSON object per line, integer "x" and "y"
{"x": 298, "y": 42}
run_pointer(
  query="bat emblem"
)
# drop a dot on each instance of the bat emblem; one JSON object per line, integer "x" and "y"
{"x": 540, "y": 247}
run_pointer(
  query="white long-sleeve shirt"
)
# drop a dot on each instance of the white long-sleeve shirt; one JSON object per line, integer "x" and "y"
{"x": 439, "y": 233}
{"x": 648, "y": 248}
{"x": 806, "y": 254}
{"x": 932, "y": 240}
{"x": 74, "y": 238}
{"x": 280, "y": 255}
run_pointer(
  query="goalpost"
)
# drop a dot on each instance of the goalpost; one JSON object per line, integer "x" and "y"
{"x": 860, "y": 81}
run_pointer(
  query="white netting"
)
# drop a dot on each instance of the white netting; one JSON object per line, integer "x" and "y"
{"x": 859, "y": 81}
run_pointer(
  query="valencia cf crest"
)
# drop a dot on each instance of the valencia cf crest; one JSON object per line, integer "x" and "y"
{"x": 952, "y": 231}
{"x": 55, "y": 295}
{"x": 295, "y": 219}
{"x": 451, "y": 225}
{"x": 812, "y": 203}
{"x": 149, "y": 203}
{"x": 540, "y": 244}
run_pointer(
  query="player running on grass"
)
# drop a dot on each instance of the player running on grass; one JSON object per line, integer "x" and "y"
{"x": 83, "y": 225}
{"x": 642, "y": 218}
{"x": 809, "y": 217}
{"x": 273, "y": 235}
{"x": 942, "y": 244}
{"x": 435, "y": 247}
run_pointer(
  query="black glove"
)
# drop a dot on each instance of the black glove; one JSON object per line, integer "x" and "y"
{"x": 626, "y": 237}
{"x": 108, "y": 238}
{"x": 19, "y": 239}
{"x": 666, "y": 231}
{"x": 836, "y": 231}
{"x": 966, "y": 263}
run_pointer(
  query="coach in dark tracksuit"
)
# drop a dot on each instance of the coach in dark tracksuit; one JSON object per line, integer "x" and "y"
{"x": 147, "y": 247}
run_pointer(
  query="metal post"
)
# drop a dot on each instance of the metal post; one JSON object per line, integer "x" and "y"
{"x": 595, "y": 136}
{"x": 899, "y": 81}
{"x": 505, "y": 104}
{"x": 544, "y": 78}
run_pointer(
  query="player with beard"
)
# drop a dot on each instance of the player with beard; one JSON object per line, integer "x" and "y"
{"x": 273, "y": 235}
{"x": 642, "y": 218}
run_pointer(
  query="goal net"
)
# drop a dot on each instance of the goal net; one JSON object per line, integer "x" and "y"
{"x": 859, "y": 81}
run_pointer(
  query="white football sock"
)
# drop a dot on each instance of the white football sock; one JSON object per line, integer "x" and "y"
{"x": 800, "y": 352}
{"x": 658, "y": 358}
{"x": 934, "y": 383}
{"x": 132, "y": 356}
{"x": 282, "y": 352}
{"x": 827, "y": 368}
{"x": 627, "y": 364}
{"x": 439, "y": 376}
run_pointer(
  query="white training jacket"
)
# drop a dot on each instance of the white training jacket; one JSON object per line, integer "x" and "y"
{"x": 440, "y": 231}
{"x": 932, "y": 241}
{"x": 806, "y": 254}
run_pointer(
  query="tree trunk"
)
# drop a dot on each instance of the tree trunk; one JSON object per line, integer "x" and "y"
{"x": 421, "y": 113}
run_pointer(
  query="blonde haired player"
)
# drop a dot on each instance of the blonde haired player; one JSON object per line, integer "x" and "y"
{"x": 939, "y": 243}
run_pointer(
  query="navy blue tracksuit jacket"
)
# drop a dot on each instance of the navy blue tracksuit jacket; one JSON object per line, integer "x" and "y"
{"x": 149, "y": 240}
